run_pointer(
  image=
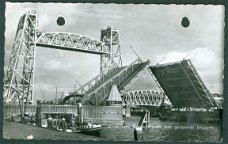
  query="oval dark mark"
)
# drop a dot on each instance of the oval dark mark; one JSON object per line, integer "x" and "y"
{"x": 185, "y": 22}
{"x": 60, "y": 21}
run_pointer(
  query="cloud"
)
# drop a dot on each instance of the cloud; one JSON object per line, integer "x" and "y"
{"x": 208, "y": 64}
{"x": 44, "y": 21}
{"x": 206, "y": 58}
{"x": 56, "y": 65}
{"x": 170, "y": 57}
{"x": 203, "y": 58}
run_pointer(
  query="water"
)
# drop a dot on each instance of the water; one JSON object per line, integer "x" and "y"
{"x": 167, "y": 131}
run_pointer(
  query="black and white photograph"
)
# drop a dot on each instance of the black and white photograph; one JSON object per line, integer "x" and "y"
{"x": 113, "y": 72}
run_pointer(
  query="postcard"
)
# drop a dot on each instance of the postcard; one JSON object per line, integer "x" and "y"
{"x": 113, "y": 72}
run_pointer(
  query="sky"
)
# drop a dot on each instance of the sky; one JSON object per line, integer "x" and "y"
{"x": 154, "y": 31}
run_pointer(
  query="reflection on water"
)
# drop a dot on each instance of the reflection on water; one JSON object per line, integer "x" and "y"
{"x": 165, "y": 131}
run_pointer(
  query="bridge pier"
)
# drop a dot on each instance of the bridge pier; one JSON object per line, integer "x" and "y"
{"x": 49, "y": 122}
{"x": 127, "y": 111}
{"x": 138, "y": 134}
{"x": 80, "y": 115}
{"x": 38, "y": 113}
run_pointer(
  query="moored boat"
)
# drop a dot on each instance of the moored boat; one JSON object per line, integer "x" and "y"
{"x": 89, "y": 128}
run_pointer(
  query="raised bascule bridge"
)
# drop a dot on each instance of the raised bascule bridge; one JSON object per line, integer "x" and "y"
{"x": 188, "y": 94}
{"x": 94, "y": 95}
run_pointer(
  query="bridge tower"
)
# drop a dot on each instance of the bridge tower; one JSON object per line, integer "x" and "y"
{"x": 111, "y": 39}
{"x": 19, "y": 78}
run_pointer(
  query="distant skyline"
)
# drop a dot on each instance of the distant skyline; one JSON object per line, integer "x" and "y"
{"x": 154, "y": 31}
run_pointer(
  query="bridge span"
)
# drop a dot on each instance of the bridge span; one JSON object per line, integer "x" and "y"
{"x": 182, "y": 84}
{"x": 143, "y": 98}
{"x": 71, "y": 41}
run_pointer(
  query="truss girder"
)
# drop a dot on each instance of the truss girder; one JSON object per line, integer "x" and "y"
{"x": 198, "y": 81}
{"x": 122, "y": 76}
{"x": 19, "y": 78}
{"x": 96, "y": 81}
{"x": 143, "y": 98}
{"x": 182, "y": 84}
{"x": 71, "y": 41}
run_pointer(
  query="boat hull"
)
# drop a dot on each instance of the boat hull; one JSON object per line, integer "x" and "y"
{"x": 90, "y": 131}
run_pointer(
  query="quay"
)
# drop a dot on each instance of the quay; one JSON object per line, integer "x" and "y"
{"x": 14, "y": 130}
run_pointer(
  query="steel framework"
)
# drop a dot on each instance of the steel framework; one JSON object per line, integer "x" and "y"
{"x": 122, "y": 77}
{"x": 71, "y": 41}
{"x": 183, "y": 85}
{"x": 143, "y": 98}
{"x": 96, "y": 91}
{"x": 111, "y": 39}
{"x": 19, "y": 78}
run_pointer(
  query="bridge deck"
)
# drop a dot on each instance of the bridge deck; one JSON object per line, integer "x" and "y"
{"x": 121, "y": 77}
{"x": 182, "y": 84}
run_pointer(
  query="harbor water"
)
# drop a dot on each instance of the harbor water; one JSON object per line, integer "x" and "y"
{"x": 166, "y": 131}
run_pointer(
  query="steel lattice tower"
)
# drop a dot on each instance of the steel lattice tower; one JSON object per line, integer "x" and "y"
{"x": 111, "y": 40}
{"x": 19, "y": 78}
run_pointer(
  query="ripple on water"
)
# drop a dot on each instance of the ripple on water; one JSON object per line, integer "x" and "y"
{"x": 165, "y": 131}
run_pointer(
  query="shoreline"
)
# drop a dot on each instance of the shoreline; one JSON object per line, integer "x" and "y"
{"x": 13, "y": 130}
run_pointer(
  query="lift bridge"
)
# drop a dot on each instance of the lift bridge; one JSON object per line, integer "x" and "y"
{"x": 19, "y": 78}
{"x": 180, "y": 81}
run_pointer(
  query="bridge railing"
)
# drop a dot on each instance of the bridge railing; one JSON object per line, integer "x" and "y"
{"x": 14, "y": 110}
{"x": 121, "y": 78}
{"x": 102, "y": 112}
{"x": 205, "y": 89}
{"x": 10, "y": 110}
{"x": 96, "y": 81}
{"x": 59, "y": 109}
